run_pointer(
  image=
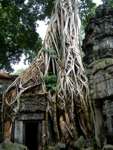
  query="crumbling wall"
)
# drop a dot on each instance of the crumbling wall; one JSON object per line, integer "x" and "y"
{"x": 98, "y": 49}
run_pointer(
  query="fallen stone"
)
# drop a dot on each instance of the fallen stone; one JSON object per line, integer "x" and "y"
{"x": 89, "y": 148}
{"x": 108, "y": 147}
{"x": 60, "y": 146}
{"x": 12, "y": 146}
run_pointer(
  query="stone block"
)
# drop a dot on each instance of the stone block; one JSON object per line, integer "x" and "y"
{"x": 89, "y": 148}
{"x": 60, "y": 146}
{"x": 33, "y": 103}
{"x": 12, "y": 146}
{"x": 108, "y": 147}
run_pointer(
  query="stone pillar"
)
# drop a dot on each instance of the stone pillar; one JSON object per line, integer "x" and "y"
{"x": 98, "y": 126}
{"x": 43, "y": 134}
{"x": 40, "y": 135}
{"x": 19, "y": 132}
{"x": 109, "y": 124}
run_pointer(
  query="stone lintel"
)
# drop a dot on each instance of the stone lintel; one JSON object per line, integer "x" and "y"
{"x": 31, "y": 116}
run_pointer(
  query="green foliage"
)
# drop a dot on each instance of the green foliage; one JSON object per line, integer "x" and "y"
{"x": 51, "y": 82}
{"x": 18, "y": 29}
{"x": 87, "y": 10}
{"x": 51, "y": 52}
{"x": 51, "y": 79}
{"x": 47, "y": 7}
{"x": 110, "y": 2}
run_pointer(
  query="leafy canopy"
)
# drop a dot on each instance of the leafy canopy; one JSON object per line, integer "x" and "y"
{"x": 18, "y": 27}
{"x": 87, "y": 10}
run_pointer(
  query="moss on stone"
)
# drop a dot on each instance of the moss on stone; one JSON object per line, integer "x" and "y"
{"x": 101, "y": 64}
{"x": 12, "y": 146}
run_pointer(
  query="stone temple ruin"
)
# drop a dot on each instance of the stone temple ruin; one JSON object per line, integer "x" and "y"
{"x": 98, "y": 49}
{"x": 29, "y": 123}
{"x": 28, "y": 127}
{"x": 98, "y": 59}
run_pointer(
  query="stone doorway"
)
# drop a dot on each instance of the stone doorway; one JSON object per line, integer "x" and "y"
{"x": 31, "y": 129}
{"x": 29, "y": 125}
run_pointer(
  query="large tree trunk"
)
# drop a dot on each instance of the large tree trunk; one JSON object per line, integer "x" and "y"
{"x": 68, "y": 103}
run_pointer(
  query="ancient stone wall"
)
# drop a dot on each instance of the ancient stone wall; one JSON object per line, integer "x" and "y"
{"x": 98, "y": 49}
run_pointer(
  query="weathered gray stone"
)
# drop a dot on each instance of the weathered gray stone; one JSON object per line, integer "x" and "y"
{"x": 89, "y": 148}
{"x": 108, "y": 147}
{"x": 33, "y": 102}
{"x": 60, "y": 146}
{"x": 98, "y": 49}
{"x": 12, "y": 146}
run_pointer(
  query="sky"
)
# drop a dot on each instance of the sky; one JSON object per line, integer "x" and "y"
{"x": 41, "y": 30}
{"x": 97, "y": 2}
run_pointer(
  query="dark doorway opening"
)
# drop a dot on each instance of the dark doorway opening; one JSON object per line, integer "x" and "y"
{"x": 31, "y": 135}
